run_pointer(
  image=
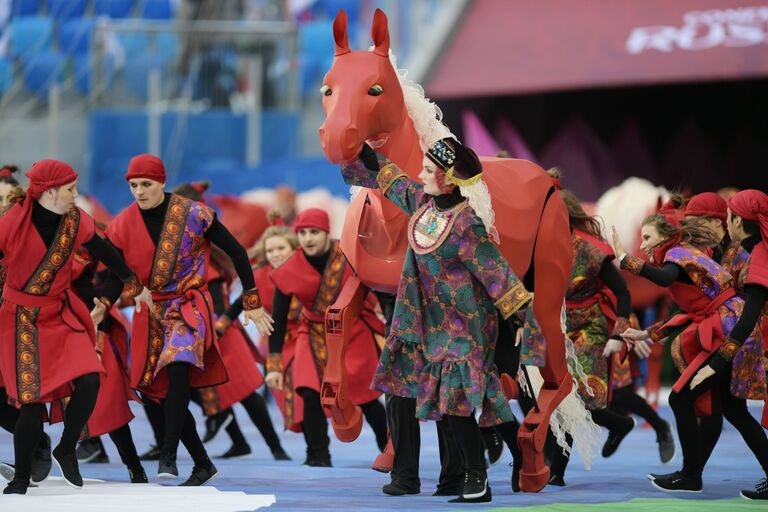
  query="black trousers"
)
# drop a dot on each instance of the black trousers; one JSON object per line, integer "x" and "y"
{"x": 734, "y": 410}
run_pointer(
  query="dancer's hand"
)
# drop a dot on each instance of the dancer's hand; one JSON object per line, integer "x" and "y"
{"x": 634, "y": 335}
{"x": 274, "y": 380}
{"x": 519, "y": 336}
{"x": 612, "y": 346}
{"x": 617, "y": 247}
{"x": 261, "y": 319}
{"x": 98, "y": 312}
{"x": 145, "y": 297}
{"x": 643, "y": 348}
{"x": 702, "y": 375}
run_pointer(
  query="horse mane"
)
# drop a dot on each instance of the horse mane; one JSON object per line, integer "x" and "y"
{"x": 426, "y": 115}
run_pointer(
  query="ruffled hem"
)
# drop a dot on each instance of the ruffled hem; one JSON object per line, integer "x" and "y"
{"x": 399, "y": 365}
{"x": 457, "y": 388}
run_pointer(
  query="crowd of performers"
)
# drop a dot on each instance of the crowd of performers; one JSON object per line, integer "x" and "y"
{"x": 448, "y": 347}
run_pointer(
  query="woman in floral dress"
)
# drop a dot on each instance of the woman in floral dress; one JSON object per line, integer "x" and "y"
{"x": 455, "y": 283}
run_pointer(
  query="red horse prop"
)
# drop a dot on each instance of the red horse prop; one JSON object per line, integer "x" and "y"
{"x": 531, "y": 219}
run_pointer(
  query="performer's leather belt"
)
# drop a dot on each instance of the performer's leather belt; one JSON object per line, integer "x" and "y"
{"x": 64, "y": 299}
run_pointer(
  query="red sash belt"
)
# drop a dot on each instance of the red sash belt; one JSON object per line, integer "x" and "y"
{"x": 192, "y": 299}
{"x": 64, "y": 300}
{"x": 311, "y": 316}
{"x": 709, "y": 324}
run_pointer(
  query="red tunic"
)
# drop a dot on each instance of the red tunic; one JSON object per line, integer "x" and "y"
{"x": 46, "y": 332}
{"x": 289, "y": 402}
{"x": 298, "y": 278}
{"x": 181, "y": 327}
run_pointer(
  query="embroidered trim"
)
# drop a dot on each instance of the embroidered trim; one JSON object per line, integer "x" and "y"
{"x": 622, "y": 324}
{"x": 107, "y": 303}
{"x": 513, "y": 300}
{"x": 168, "y": 246}
{"x": 27, "y": 355}
{"x": 100, "y": 342}
{"x": 632, "y": 264}
{"x": 58, "y": 254}
{"x": 656, "y": 332}
{"x": 154, "y": 348}
{"x": 133, "y": 286}
{"x": 430, "y": 227}
{"x": 729, "y": 348}
{"x": 251, "y": 300}
{"x": 330, "y": 285}
{"x": 209, "y": 399}
{"x": 387, "y": 177}
{"x": 274, "y": 363}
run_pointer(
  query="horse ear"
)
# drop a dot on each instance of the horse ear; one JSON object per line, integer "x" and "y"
{"x": 340, "y": 39}
{"x": 380, "y": 34}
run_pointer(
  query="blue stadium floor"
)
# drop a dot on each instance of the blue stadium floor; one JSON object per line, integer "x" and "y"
{"x": 351, "y": 485}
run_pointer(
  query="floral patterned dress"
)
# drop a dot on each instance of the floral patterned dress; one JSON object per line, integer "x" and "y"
{"x": 441, "y": 345}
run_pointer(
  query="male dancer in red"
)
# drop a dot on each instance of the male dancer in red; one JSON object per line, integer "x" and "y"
{"x": 165, "y": 238}
{"x": 315, "y": 275}
{"x": 46, "y": 333}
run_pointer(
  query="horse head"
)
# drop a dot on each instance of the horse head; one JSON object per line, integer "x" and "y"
{"x": 362, "y": 96}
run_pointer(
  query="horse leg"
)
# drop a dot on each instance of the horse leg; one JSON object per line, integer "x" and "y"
{"x": 552, "y": 268}
{"x": 346, "y": 417}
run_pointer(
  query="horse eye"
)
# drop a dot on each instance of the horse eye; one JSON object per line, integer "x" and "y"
{"x": 326, "y": 91}
{"x": 375, "y": 90}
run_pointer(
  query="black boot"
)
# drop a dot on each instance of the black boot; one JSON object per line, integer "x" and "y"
{"x": 493, "y": 443}
{"x": 91, "y": 450}
{"x": 16, "y": 486}
{"x": 67, "y": 463}
{"x": 236, "y": 452}
{"x": 138, "y": 475}
{"x": 201, "y": 474}
{"x": 166, "y": 468}
{"x": 41, "y": 463}
{"x": 666, "y": 441}
{"x": 279, "y": 454}
{"x": 476, "y": 488}
{"x": 616, "y": 437}
{"x": 152, "y": 454}
{"x": 320, "y": 461}
{"x": 214, "y": 424}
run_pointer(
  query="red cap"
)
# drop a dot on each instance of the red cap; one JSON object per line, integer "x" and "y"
{"x": 313, "y": 218}
{"x": 146, "y": 166}
{"x": 708, "y": 204}
{"x": 47, "y": 174}
{"x": 752, "y": 205}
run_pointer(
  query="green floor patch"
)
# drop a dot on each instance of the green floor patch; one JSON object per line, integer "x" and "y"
{"x": 646, "y": 504}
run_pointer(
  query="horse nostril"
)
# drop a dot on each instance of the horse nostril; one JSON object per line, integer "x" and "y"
{"x": 351, "y": 138}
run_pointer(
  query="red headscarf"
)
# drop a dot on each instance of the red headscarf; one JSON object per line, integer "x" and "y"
{"x": 708, "y": 204}
{"x": 146, "y": 166}
{"x": 752, "y": 205}
{"x": 313, "y": 218}
{"x": 47, "y": 174}
{"x": 675, "y": 218}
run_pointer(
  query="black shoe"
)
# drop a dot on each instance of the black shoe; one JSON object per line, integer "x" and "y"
{"x": 138, "y": 475}
{"x": 400, "y": 488}
{"x": 615, "y": 438}
{"x": 447, "y": 491}
{"x": 654, "y": 476}
{"x": 152, "y": 454}
{"x": 214, "y": 424}
{"x": 91, "y": 450}
{"x": 279, "y": 454}
{"x": 494, "y": 445}
{"x": 557, "y": 480}
{"x": 517, "y": 465}
{"x": 201, "y": 475}
{"x": 16, "y": 486}
{"x": 760, "y": 492}
{"x": 166, "y": 467}
{"x": 67, "y": 463}
{"x": 666, "y": 440}
{"x": 678, "y": 482}
{"x": 323, "y": 461}
{"x": 41, "y": 462}
{"x": 476, "y": 488}
{"x": 236, "y": 452}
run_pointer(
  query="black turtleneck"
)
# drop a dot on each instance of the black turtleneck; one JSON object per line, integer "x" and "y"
{"x": 449, "y": 200}
{"x": 47, "y": 223}
{"x": 755, "y": 297}
{"x": 216, "y": 234}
